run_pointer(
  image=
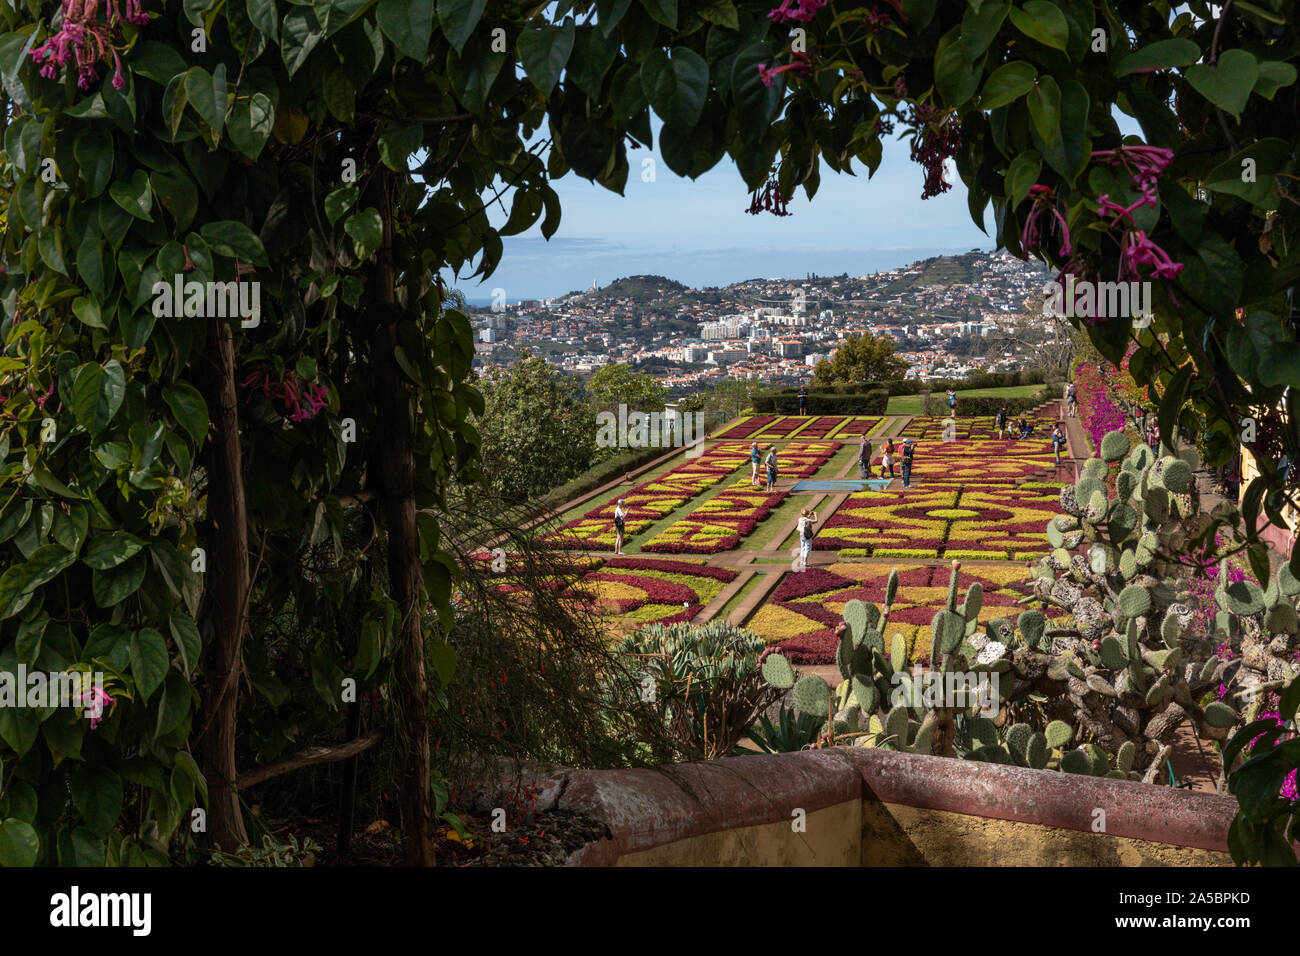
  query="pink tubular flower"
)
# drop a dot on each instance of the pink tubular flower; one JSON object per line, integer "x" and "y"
{"x": 796, "y": 11}
{"x": 1044, "y": 201}
{"x": 300, "y": 400}
{"x": 1137, "y": 250}
{"x": 85, "y": 40}
{"x": 95, "y": 699}
{"x": 800, "y": 66}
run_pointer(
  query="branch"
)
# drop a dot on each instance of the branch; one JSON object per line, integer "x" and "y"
{"x": 308, "y": 757}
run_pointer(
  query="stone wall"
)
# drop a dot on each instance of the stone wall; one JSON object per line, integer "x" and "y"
{"x": 861, "y": 806}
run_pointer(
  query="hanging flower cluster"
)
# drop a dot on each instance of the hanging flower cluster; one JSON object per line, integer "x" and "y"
{"x": 799, "y": 66}
{"x": 938, "y": 135}
{"x": 796, "y": 11}
{"x": 300, "y": 400}
{"x": 87, "y": 40}
{"x": 1032, "y": 235}
{"x": 1145, "y": 165}
{"x": 769, "y": 199}
{"x": 94, "y": 700}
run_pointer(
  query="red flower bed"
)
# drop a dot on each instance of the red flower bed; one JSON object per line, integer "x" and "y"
{"x": 751, "y": 427}
{"x": 674, "y": 567}
{"x": 822, "y": 425}
{"x": 858, "y": 426}
{"x": 812, "y": 581}
{"x": 819, "y": 647}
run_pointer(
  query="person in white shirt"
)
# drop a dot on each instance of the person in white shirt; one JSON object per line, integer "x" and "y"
{"x": 807, "y": 519}
{"x": 620, "y": 516}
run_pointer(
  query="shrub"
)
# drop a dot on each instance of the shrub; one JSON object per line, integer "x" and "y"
{"x": 697, "y": 686}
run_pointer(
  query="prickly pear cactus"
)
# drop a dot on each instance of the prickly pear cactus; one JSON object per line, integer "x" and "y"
{"x": 1103, "y": 696}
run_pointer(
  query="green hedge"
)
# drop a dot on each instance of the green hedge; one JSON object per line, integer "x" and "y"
{"x": 824, "y": 403}
{"x": 600, "y": 474}
{"x": 988, "y": 405}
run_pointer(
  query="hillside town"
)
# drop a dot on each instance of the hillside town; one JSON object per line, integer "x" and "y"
{"x": 948, "y": 316}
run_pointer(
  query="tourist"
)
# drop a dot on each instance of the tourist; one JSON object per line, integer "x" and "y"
{"x": 1071, "y": 401}
{"x": 771, "y": 468}
{"x": 952, "y": 402}
{"x": 755, "y": 458}
{"x": 803, "y": 399}
{"x": 864, "y": 458}
{"x": 1058, "y": 442}
{"x": 620, "y": 513}
{"x": 909, "y": 447}
{"x": 807, "y": 519}
{"x": 1153, "y": 436}
{"x": 1000, "y": 420}
{"x": 887, "y": 459}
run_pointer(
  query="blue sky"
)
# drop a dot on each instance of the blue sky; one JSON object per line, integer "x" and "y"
{"x": 698, "y": 233}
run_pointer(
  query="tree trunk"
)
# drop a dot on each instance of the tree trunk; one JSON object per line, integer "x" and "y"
{"x": 395, "y": 463}
{"x": 226, "y": 593}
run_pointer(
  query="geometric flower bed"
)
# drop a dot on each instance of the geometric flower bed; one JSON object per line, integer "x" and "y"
{"x": 978, "y": 521}
{"x": 801, "y": 459}
{"x": 647, "y": 503}
{"x": 803, "y": 611}
{"x": 855, "y": 426}
{"x": 748, "y": 427}
{"x": 981, "y": 461}
{"x": 964, "y": 429}
{"x": 646, "y": 590}
{"x": 762, "y": 427}
{"x": 719, "y": 523}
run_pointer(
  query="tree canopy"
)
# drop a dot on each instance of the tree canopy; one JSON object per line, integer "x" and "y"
{"x": 860, "y": 358}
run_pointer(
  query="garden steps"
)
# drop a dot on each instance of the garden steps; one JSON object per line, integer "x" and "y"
{"x": 710, "y": 610}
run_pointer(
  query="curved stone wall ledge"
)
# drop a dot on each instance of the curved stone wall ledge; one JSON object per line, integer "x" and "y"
{"x": 740, "y": 811}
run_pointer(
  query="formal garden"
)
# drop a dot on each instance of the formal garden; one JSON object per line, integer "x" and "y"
{"x": 256, "y": 492}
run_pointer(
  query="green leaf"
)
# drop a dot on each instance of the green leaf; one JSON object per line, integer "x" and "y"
{"x": 97, "y": 394}
{"x": 149, "y": 660}
{"x": 155, "y": 61}
{"x": 1007, "y": 84}
{"x": 302, "y": 31}
{"x": 235, "y": 240}
{"x": 1045, "y": 107}
{"x": 543, "y": 52}
{"x": 1161, "y": 55}
{"x": 397, "y": 143}
{"x": 109, "y": 550}
{"x": 1021, "y": 174}
{"x": 367, "y": 231}
{"x": 110, "y": 588}
{"x": 185, "y": 632}
{"x": 94, "y": 154}
{"x": 97, "y": 795}
{"x": 206, "y": 92}
{"x": 178, "y": 195}
{"x": 134, "y": 195}
{"x": 44, "y": 564}
{"x": 174, "y": 705}
{"x": 676, "y": 88}
{"x": 263, "y": 15}
{"x": 1228, "y": 84}
{"x": 19, "y": 843}
{"x": 340, "y": 201}
{"x": 457, "y": 17}
{"x": 251, "y": 120}
{"x": 1274, "y": 75}
{"x": 1044, "y": 22}
{"x": 1262, "y": 160}
{"x": 956, "y": 72}
{"x": 663, "y": 11}
{"x": 186, "y": 403}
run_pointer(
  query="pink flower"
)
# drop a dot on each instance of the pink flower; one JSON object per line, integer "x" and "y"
{"x": 95, "y": 699}
{"x": 1138, "y": 250}
{"x": 86, "y": 41}
{"x": 1044, "y": 200}
{"x": 796, "y": 11}
{"x": 799, "y": 67}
